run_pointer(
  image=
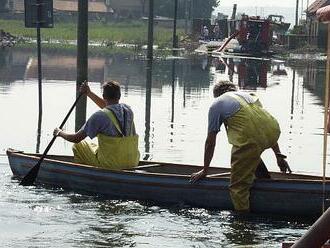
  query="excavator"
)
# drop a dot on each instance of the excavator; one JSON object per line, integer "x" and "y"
{"x": 253, "y": 36}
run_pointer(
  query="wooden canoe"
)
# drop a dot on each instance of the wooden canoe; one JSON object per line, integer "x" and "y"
{"x": 168, "y": 183}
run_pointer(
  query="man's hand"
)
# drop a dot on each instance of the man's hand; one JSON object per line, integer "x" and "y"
{"x": 283, "y": 164}
{"x": 84, "y": 88}
{"x": 197, "y": 176}
{"x": 57, "y": 131}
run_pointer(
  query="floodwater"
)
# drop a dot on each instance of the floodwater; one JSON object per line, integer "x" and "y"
{"x": 171, "y": 119}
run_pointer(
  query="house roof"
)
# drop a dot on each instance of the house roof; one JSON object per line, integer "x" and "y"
{"x": 72, "y": 6}
{"x": 68, "y": 5}
{"x": 316, "y": 5}
{"x": 323, "y": 14}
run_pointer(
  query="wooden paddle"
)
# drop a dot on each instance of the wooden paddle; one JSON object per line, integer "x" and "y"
{"x": 33, "y": 173}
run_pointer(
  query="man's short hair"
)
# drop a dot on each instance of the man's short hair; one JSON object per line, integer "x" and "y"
{"x": 111, "y": 90}
{"x": 222, "y": 87}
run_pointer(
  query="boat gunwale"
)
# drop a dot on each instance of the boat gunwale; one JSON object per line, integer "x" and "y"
{"x": 133, "y": 171}
{"x": 85, "y": 166}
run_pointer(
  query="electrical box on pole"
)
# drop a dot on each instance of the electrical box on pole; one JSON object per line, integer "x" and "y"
{"x": 39, "y": 12}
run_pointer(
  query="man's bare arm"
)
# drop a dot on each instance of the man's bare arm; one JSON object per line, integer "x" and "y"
{"x": 210, "y": 143}
{"x": 71, "y": 137}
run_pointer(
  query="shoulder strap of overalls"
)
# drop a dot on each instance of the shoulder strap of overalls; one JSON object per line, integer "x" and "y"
{"x": 238, "y": 98}
{"x": 111, "y": 114}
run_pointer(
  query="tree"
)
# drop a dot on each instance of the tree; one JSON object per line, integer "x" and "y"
{"x": 196, "y": 8}
{"x": 203, "y": 8}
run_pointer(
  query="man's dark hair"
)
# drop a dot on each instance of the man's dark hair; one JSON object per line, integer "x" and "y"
{"x": 222, "y": 87}
{"x": 111, "y": 90}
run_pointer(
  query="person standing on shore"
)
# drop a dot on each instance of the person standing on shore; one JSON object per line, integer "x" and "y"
{"x": 216, "y": 32}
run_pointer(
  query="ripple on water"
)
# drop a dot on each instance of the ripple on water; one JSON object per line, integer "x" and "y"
{"x": 38, "y": 215}
{"x": 41, "y": 217}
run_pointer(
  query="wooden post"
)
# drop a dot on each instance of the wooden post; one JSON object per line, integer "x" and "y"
{"x": 82, "y": 60}
{"x": 175, "y": 38}
{"x": 150, "y": 30}
{"x": 173, "y": 91}
{"x": 186, "y": 17}
{"x": 297, "y": 8}
{"x": 39, "y": 15}
{"x": 38, "y": 133}
{"x": 148, "y": 109}
{"x": 292, "y": 91}
{"x": 317, "y": 234}
{"x": 233, "y": 13}
{"x": 326, "y": 111}
{"x": 149, "y": 79}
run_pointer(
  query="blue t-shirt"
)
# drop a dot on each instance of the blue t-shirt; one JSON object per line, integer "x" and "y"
{"x": 224, "y": 107}
{"x": 100, "y": 123}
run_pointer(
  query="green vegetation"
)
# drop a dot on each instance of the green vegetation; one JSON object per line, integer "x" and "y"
{"x": 95, "y": 50}
{"x": 194, "y": 8}
{"x": 123, "y": 32}
{"x": 298, "y": 30}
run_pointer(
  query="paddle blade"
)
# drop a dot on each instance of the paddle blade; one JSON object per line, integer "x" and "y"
{"x": 33, "y": 173}
{"x": 29, "y": 178}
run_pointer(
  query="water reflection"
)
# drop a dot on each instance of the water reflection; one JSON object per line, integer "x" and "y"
{"x": 251, "y": 73}
{"x": 148, "y": 110}
{"x": 173, "y": 90}
{"x": 170, "y": 99}
{"x": 313, "y": 73}
{"x": 278, "y": 69}
{"x": 173, "y": 100}
{"x": 180, "y": 89}
{"x": 39, "y": 133}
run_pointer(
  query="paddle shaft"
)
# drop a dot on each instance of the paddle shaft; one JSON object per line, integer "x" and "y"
{"x": 33, "y": 173}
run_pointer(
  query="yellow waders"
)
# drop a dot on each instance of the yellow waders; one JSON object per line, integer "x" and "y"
{"x": 111, "y": 152}
{"x": 251, "y": 130}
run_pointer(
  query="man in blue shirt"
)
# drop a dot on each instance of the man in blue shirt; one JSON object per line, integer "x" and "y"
{"x": 250, "y": 129}
{"x": 114, "y": 128}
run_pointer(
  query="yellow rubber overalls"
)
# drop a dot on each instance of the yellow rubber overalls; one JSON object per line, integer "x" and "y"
{"x": 111, "y": 152}
{"x": 251, "y": 130}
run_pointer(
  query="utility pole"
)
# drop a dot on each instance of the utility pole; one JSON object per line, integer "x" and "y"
{"x": 150, "y": 30}
{"x": 175, "y": 38}
{"x": 149, "y": 79}
{"x": 82, "y": 60}
{"x": 39, "y": 21}
{"x": 39, "y": 18}
{"x": 186, "y": 16}
{"x": 297, "y": 8}
{"x": 307, "y": 5}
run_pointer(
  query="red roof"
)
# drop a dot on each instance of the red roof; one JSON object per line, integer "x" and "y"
{"x": 323, "y": 14}
{"x": 316, "y": 5}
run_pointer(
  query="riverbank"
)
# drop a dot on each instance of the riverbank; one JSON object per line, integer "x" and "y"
{"x": 7, "y": 39}
{"x": 107, "y": 34}
{"x": 306, "y": 52}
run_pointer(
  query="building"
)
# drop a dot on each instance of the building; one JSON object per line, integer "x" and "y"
{"x": 4, "y": 5}
{"x": 129, "y": 8}
{"x": 316, "y": 31}
{"x": 123, "y": 8}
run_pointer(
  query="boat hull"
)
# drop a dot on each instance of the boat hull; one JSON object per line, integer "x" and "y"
{"x": 275, "y": 196}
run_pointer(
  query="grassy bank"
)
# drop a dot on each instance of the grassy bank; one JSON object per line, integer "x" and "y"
{"x": 125, "y": 32}
{"x": 94, "y": 51}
